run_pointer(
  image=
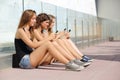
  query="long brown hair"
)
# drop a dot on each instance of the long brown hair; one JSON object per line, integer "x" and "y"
{"x": 26, "y": 17}
{"x": 41, "y": 18}
{"x": 51, "y": 20}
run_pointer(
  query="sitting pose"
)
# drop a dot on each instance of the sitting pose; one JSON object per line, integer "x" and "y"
{"x": 40, "y": 33}
{"x": 65, "y": 41}
{"x": 31, "y": 52}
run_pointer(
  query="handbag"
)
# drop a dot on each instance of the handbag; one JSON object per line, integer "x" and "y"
{"x": 15, "y": 62}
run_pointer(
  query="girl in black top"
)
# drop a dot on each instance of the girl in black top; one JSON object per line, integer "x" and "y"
{"x": 24, "y": 44}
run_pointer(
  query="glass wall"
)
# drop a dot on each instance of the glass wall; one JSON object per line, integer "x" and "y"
{"x": 86, "y": 30}
{"x": 79, "y": 19}
{"x": 61, "y": 14}
{"x": 10, "y": 12}
{"x": 35, "y": 5}
{"x": 49, "y": 9}
{"x": 72, "y": 23}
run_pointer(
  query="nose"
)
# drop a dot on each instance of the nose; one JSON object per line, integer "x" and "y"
{"x": 48, "y": 24}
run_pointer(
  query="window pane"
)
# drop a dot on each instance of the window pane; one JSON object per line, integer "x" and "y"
{"x": 10, "y": 12}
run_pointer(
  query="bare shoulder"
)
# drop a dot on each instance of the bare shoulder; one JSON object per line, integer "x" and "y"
{"x": 35, "y": 30}
{"x": 19, "y": 32}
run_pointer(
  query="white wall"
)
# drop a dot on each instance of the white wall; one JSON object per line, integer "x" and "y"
{"x": 109, "y": 9}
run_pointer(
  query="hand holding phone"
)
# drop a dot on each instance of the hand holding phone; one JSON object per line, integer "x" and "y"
{"x": 69, "y": 30}
{"x": 56, "y": 31}
{"x": 65, "y": 29}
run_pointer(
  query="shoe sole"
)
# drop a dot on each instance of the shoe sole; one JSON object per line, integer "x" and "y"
{"x": 90, "y": 60}
{"x": 86, "y": 64}
{"x": 79, "y": 69}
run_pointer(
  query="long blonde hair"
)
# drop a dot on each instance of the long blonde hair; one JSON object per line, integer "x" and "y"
{"x": 51, "y": 20}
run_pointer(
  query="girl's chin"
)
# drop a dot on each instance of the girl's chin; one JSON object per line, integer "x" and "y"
{"x": 32, "y": 24}
{"x": 45, "y": 28}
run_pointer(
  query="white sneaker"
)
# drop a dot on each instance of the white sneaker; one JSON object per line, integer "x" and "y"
{"x": 74, "y": 67}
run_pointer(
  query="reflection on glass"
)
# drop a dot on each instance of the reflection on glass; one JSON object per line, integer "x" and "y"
{"x": 71, "y": 22}
{"x": 49, "y": 9}
{"x": 35, "y": 5}
{"x": 10, "y": 12}
{"x": 61, "y": 18}
{"x": 83, "y": 26}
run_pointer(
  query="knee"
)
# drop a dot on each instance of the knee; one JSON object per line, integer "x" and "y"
{"x": 48, "y": 43}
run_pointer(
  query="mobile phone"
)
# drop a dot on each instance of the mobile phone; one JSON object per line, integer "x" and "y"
{"x": 56, "y": 31}
{"x": 65, "y": 29}
{"x": 69, "y": 30}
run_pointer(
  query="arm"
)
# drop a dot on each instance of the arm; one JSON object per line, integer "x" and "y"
{"x": 26, "y": 39}
{"x": 59, "y": 35}
{"x": 42, "y": 39}
{"x": 63, "y": 35}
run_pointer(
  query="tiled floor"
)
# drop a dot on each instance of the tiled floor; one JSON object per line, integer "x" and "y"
{"x": 106, "y": 66}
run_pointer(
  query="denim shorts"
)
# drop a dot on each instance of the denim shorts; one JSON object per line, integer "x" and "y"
{"x": 25, "y": 62}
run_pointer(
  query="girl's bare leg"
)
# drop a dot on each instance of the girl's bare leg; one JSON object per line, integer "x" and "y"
{"x": 74, "y": 46}
{"x": 71, "y": 48}
{"x": 47, "y": 59}
{"x": 67, "y": 44}
{"x": 62, "y": 51}
{"x": 37, "y": 55}
{"x": 61, "y": 43}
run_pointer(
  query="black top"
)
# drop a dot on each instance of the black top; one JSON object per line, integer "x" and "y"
{"x": 21, "y": 48}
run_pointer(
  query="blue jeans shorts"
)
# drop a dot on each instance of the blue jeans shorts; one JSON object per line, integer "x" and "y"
{"x": 25, "y": 62}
